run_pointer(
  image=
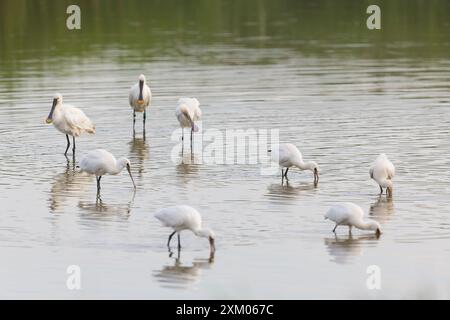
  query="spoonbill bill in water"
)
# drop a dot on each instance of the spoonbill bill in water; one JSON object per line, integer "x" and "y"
{"x": 382, "y": 171}
{"x": 351, "y": 215}
{"x": 140, "y": 97}
{"x": 181, "y": 218}
{"x": 287, "y": 155}
{"x": 69, "y": 120}
{"x": 100, "y": 162}
{"x": 188, "y": 111}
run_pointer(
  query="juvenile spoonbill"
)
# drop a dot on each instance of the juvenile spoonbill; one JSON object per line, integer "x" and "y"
{"x": 181, "y": 218}
{"x": 69, "y": 120}
{"x": 140, "y": 97}
{"x": 382, "y": 171}
{"x": 287, "y": 155}
{"x": 187, "y": 112}
{"x": 351, "y": 215}
{"x": 101, "y": 162}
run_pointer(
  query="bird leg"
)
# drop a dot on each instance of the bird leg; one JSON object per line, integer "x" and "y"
{"x": 182, "y": 141}
{"x": 134, "y": 122}
{"x": 73, "y": 147}
{"x": 334, "y": 230}
{"x": 350, "y": 230}
{"x": 68, "y": 144}
{"x": 381, "y": 190}
{"x": 170, "y": 238}
{"x": 98, "y": 185}
{"x": 145, "y": 116}
{"x": 285, "y": 173}
{"x": 192, "y": 131}
{"x": 179, "y": 242}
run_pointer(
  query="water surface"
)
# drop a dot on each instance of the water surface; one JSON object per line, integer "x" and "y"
{"x": 341, "y": 93}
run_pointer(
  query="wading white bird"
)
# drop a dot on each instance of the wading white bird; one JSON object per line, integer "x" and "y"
{"x": 140, "y": 97}
{"x": 382, "y": 171}
{"x": 181, "y": 218}
{"x": 187, "y": 112}
{"x": 351, "y": 215}
{"x": 100, "y": 162}
{"x": 69, "y": 120}
{"x": 287, "y": 155}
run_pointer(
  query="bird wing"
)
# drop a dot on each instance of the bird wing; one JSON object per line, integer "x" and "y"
{"x": 96, "y": 160}
{"x": 341, "y": 213}
{"x": 148, "y": 96}
{"x": 390, "y": 170}
{"x": 132, "y": 96}
{"x": 178, "y": 217}
{"x": 76, "y": 119}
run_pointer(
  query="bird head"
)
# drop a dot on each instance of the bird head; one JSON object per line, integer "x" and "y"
{"x": 390, "y": 187}
{"x": 375, "y": 226}
{"x": 208, "y": 233}
{"x": 57, "y": 99}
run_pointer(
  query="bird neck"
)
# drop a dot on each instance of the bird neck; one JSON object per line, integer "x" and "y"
{"x": 384, "y": 183}
{"x": 363, "y": 224}
{"x": 303, "y": 165}
{"x": 120, "y": 164}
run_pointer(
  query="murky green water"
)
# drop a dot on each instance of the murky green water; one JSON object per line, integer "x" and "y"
{"x": 340, "y": 92}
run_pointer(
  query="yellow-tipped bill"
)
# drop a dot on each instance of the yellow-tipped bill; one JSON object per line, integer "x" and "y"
{"x": 48, "y": 121}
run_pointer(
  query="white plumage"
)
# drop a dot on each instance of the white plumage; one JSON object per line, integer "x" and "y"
{"x": 100, "y": 162}
{"x": 351, "y": 215}
{"x": 187, "y": 112}
{"x": 382, "y": 171}
{"x": 184, "y": 217}
{"x": 140, "y": 98}
{"x": 69, "y": 120}
{"x": 287, "y": 155}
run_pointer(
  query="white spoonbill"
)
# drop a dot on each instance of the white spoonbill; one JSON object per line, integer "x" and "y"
{"x": 287, "y": 155}
{"x": 101, "y": 162}
{"x": 185, "y": 218}
{"x": 382, "y": 171}
{"x": 187, "y": 112}
{"x": 351, "y": 215}
{"x": 140, "y": 97}
{"x": 69, "y": 120}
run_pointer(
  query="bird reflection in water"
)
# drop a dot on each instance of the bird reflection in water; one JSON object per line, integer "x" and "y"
{"x": 102, "y": 210}
{"x": 66, "y": 184}
{"x": 343, "y": 249}
{"x": 278, "y": 191}
{"x": 189, "y": 166}
{"x": 382, "y": 209}
{"x": 179, "y": 275}
{"x": 139, "y": 151}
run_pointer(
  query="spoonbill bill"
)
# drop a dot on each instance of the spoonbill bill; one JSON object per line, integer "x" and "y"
{"x": 188, "y": 111}
{"x": 140, "y": 97}
{"x": 69, "y": 120}
{"x": 287, "y": 155}
{"x": 382, "y": 171}
{"x": 351, "y": 215}
{"x": 184, "y": 217}
{"x": 100, "y": 162}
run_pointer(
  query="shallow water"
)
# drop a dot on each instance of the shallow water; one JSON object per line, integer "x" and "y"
{"x": 340, "y": 106}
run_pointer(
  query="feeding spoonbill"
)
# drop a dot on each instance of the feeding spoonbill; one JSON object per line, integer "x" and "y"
{"x": 181, "y": 218}
{"x": 382, "y": 171}
{"x": 69, "y": 120}
{"x": 140, "y": 97}
{"x": 100, "y": 162}
{"x": 188, "y": 111}
{"x": 287, "y": 155}
{"x": 351, "y": 215}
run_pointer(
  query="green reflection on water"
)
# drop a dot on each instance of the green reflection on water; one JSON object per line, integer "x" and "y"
{"x": 33, "y": 31}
